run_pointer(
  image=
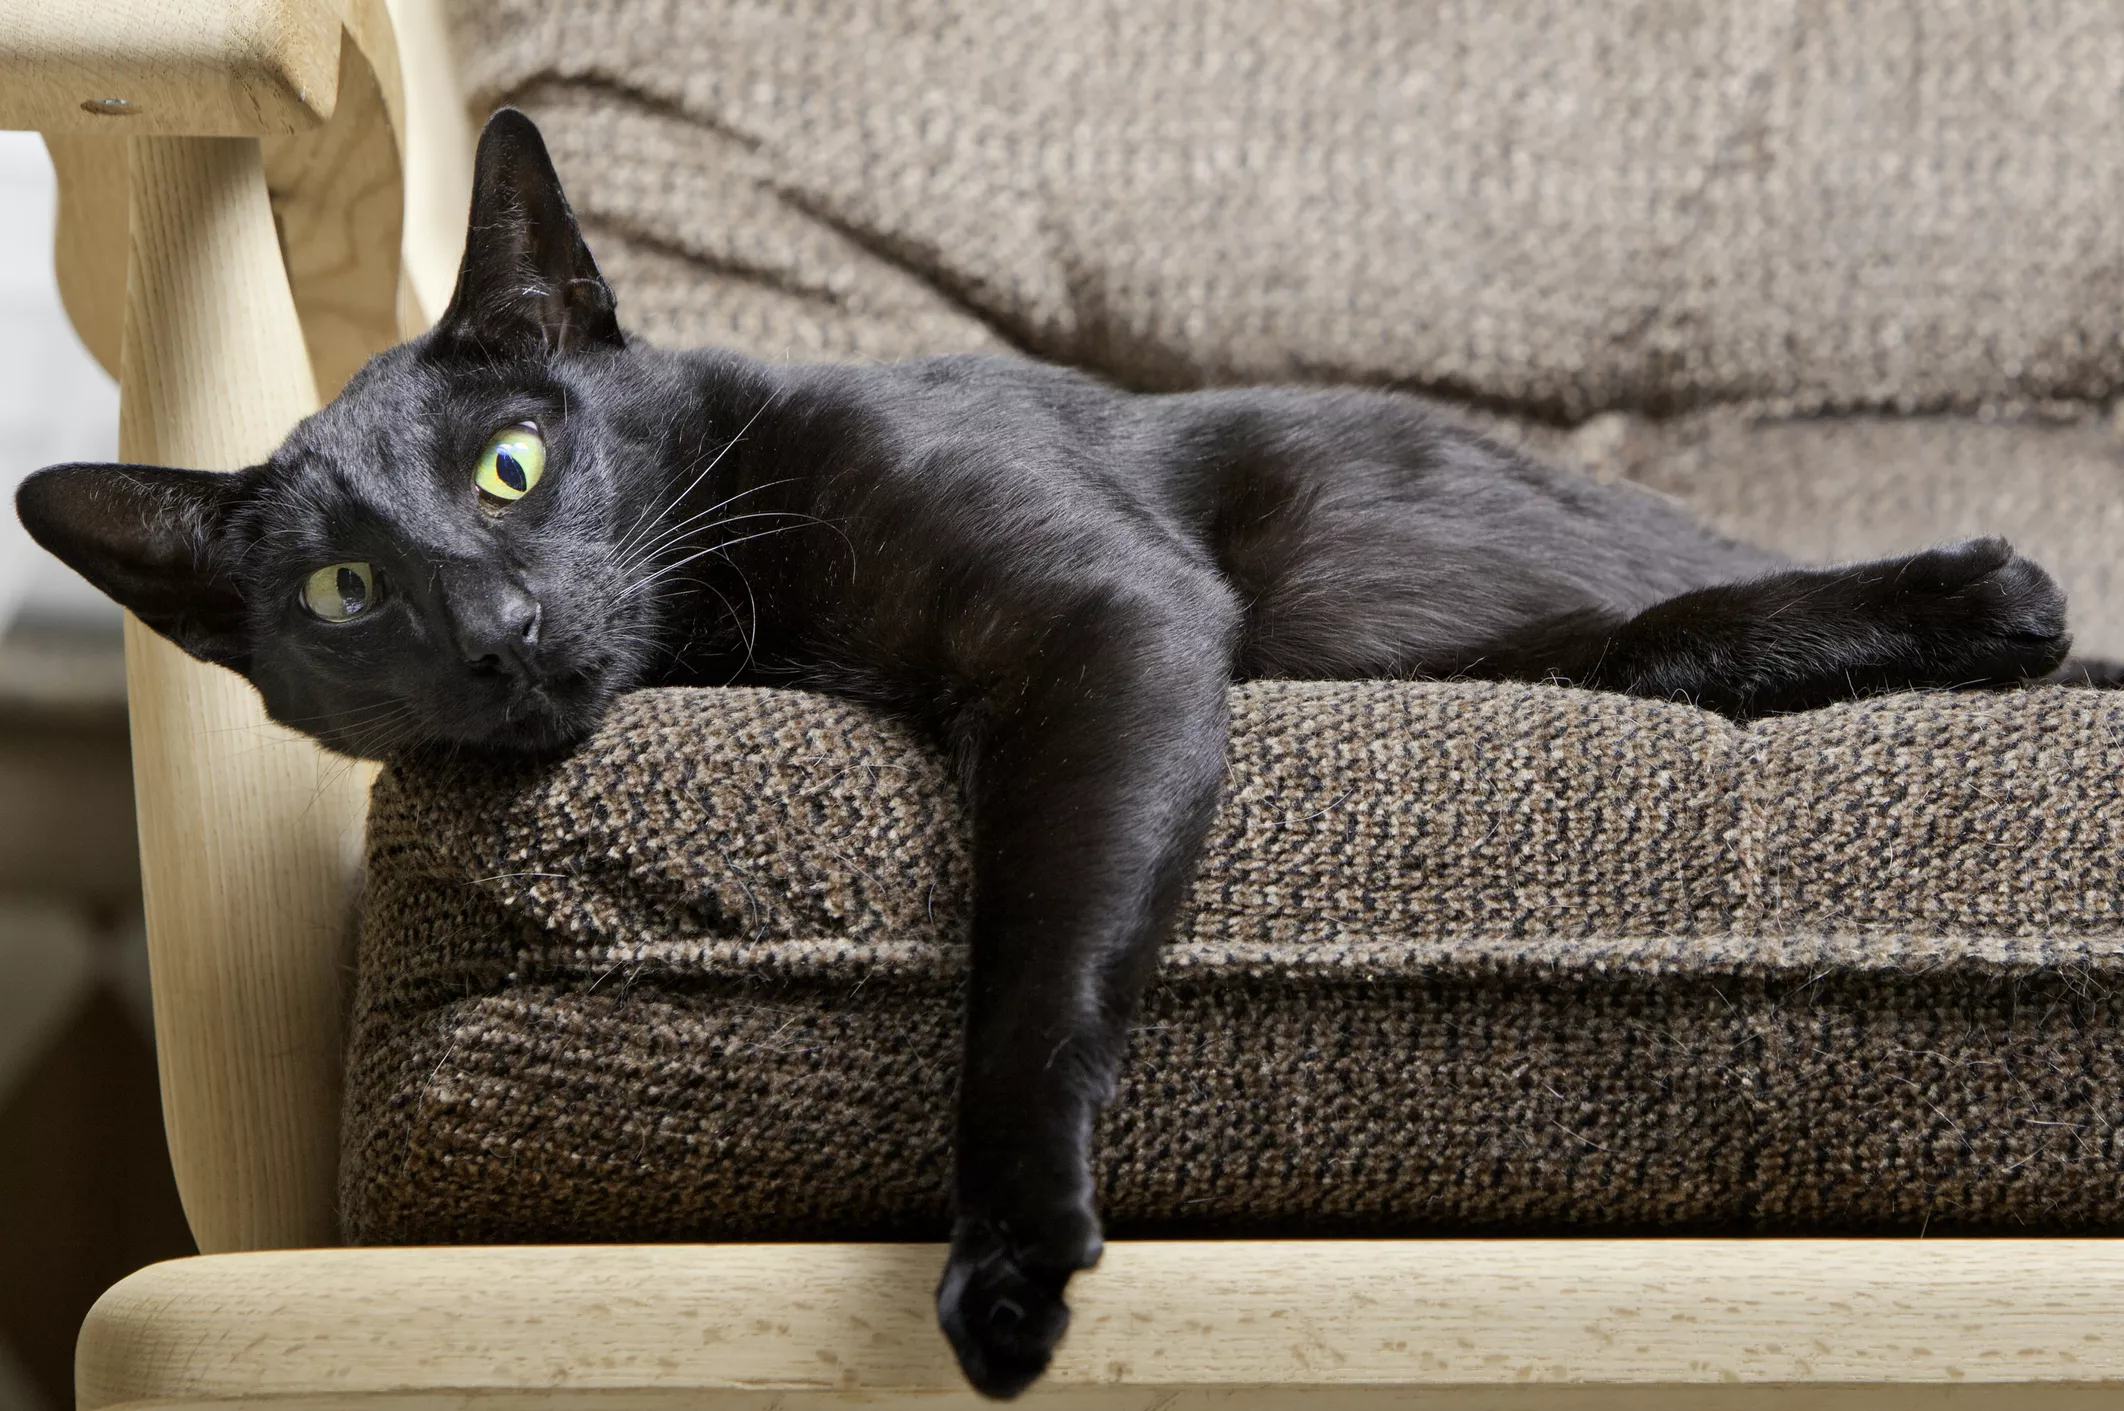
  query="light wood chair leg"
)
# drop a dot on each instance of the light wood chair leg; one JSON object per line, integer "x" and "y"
{"x": 250, "y": 835}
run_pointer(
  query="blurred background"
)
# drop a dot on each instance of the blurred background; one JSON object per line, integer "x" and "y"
{"x": 86, "y": 1194}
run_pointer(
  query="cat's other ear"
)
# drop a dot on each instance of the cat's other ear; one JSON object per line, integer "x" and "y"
{"x": 527, "y": 284}
{"x": 153, "y": 538}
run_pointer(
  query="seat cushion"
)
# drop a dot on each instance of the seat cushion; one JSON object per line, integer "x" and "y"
{"x": 1460, "y": 957}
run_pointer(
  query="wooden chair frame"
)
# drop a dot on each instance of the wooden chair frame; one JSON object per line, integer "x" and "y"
{"x": 255, "y": 196}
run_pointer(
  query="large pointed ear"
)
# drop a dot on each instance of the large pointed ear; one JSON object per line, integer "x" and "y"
{"x": 152, "y": 538}
{"x": 528, "y": 284}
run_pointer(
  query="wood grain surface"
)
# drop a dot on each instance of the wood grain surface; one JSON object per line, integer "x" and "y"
{"x": 89, "y": 252}
{"x": 250, "y": 835}
{"x": 163, "y": 67}
{"x": 336, "y": 200}
{"x": 436, "y": 152}
{"x": 1496, "y": 1322}
{"x": 370, "y": 204}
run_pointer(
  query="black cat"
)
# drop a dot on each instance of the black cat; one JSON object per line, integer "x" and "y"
{"x": 502, "y": 524}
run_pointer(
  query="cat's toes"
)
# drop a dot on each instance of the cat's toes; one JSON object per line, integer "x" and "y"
{"x": 1985, "y": 610}
{"x": 1953, "y": 566}
{"x": 2091, "y": 671}
{"x": 1001, "y": 1307}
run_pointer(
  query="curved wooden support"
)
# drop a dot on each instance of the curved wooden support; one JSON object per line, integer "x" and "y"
{"x": 225, "y": 283}
{"x": 336, "y": 195}
{"x": 372, "y": 205}
{"x": 436, "y": 150}
{"x": 250, "y": 835}
{"x": 89, "y": 253}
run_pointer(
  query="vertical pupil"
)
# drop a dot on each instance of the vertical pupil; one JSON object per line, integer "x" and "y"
{"x": 512, "y": 474}
{"x": 353, "y": 593}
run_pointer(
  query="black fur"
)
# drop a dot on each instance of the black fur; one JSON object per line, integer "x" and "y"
{"x": 1058, "y": 578}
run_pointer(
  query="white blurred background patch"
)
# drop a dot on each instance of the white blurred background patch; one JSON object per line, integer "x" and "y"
{"x": 56, "y": 403}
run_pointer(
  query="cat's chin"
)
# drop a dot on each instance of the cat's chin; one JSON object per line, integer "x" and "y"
{"x": 539, "y": 726}
{"x": 535, "y": 728}
{"x": 519, "y": 741}
{"x": 535, "y": 740}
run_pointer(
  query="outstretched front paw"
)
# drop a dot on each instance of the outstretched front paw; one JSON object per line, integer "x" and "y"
{"x": 1977, "y": 612}
{"x": 1000, "y": 1302}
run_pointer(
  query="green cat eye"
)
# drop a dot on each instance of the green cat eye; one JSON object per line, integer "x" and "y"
{"x": 340, "y": 591}
{"x": 511, "y": 464}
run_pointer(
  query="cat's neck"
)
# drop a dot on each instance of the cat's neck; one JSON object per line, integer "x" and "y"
{"x": 713, "y": 444}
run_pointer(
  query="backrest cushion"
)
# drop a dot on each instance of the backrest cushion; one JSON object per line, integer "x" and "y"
{"x": 1554, "y": 207}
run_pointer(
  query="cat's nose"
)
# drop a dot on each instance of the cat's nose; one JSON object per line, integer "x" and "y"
{"x": 497, "y": 629}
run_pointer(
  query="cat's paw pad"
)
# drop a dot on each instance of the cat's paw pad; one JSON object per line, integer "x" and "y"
{"x": 1000, "y": 1305}
{"x": 1981, "y": 606}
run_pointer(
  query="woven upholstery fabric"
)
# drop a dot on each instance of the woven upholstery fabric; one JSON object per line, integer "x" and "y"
{"x": 1553, "y": 206}
{"x": 1460, "y": 957}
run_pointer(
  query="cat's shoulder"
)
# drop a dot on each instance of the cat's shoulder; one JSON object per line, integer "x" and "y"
{"x": 954, "y": 397}
{"x": 968, "y": 375}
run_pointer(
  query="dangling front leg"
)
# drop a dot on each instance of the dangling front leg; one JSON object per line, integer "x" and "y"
{"x": 1092, "y": 784}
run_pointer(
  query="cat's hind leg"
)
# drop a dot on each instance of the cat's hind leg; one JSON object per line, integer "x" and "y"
{"x": 1972, "y": 613}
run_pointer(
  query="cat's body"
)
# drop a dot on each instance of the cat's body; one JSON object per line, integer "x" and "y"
{"x": 1344, "y": 533}
{"x": 838, "y": 525}
{"x": 1060, "y": 579}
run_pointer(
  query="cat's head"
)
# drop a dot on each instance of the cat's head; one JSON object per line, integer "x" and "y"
{"x": 437, "y": 556}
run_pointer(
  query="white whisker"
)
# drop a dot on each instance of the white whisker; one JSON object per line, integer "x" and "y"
{"x": 666, "y": 570}
{"x": 694, "y": 484}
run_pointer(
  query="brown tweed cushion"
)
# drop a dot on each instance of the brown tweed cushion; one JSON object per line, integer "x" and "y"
{"x": 1557, "y": 207}
{"x": 1460, "y": 958}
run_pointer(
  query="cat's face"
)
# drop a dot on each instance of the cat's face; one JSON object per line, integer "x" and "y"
{"x": 439, "y": 556}
{"x": 433, "y": 558}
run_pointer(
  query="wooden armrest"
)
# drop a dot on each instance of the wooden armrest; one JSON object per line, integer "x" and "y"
{"x": 168, "y": 67}
{"x": 371, "y": 206}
